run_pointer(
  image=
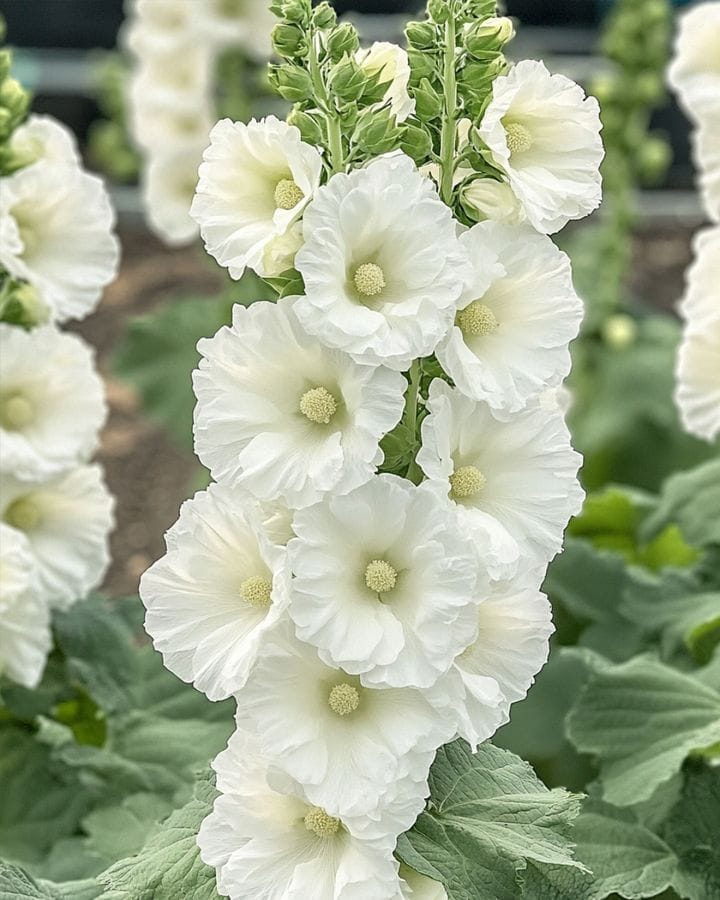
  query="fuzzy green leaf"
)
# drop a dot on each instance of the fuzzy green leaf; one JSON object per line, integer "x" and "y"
{"x": 690, "y": 500}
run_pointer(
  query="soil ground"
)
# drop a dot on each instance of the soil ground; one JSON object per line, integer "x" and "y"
{"x": 147, "y": 473}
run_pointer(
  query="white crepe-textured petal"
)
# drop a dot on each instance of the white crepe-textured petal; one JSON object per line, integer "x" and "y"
{"x": 389, "y": 219}
{"x": 557, "y": 175}
{"x": 197, "y": 616}
{"x": 64, "y": 221}
{"x": 349, "y": 760}
{"x": 249, "y": 427}
{"x": 706, "y": 143}
{"x": 52, "y": 404}
{"x": 409, "y": 635}
{"x": 67, "y": 521}
{"x": 235, "y": 204}
{"x": 695, "y": 70}
{"x": 392, "y": 62}
{"x": 25, "y": 639}
{"x": 527, "y": 463}
{"x": 169, "y": 183}
{"x": 530, "y": 294}
{"x": 43, "y": 137}
{"x": 258, "y": 842}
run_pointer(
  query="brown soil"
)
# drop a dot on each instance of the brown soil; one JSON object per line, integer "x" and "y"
{"x": 147, "y": 473}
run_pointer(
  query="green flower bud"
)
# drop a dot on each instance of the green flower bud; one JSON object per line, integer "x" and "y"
{"x": 347, "y": 79}
{"x": 422, "y": 65}
{"x": 619, "y": 331}
{"x": 417, "y": 143}
{"x": 23, "y": 306}
{"x": 288, "y": 41}
{"x": 297, "y": 11}
{"x": 605, "y": 88}
{"x": 439, "y": 10}
{"x": 343, "y": 41}
{"x": 13, "y": 96}
{"x": 655, "y": 156}
{"x": 324, "y": 16}
{"x": 376, "y": 132}
{"x": 490, "y": 35}
{"x": 421, "y": 35}
{"x": 427, "y": 100}
{"x": 291, "y": 82}
{"x": 5, "y": 64}
{"x": 649, "y": 88}
{"x": 310, "y": 130}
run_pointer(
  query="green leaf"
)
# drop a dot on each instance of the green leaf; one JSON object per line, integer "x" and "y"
{"x": 642, "y": 719}
{"x": 691, "y": 501}
{"x": 15, "y": 884}
{"x": 169, "y": 865}
{"x": 610, "y": 519}
{"x": 488, "y": 815}
{"x": 692, "y": 831}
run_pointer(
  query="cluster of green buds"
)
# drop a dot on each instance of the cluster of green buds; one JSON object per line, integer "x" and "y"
{"x": 20, "y": 303}
{"x": 14, "y": 99}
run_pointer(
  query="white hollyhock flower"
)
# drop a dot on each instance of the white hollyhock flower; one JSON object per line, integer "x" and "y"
{"x": 237, "y": 23}
{"x": 56, "y": 225}
{"x": 544, "y": 134}
{"x": 255, "y": 181}
{"x": 695, "y": 70}
{"x": 488, "y": 199}
{"x": 168, "y": 184}
{"x": 517, "y": 316}
{"x": 707, "y": 155}
{"x": 159, "y": 27}
{"x": 42, "y": 137}
{"x": 698, "y": 368}
{"x": 25, "y": 639}
{"x": 382, "y": 264}
{"x": 392, "y": 62}
{"x": 285, "y": 417}
{"x": 52, "y": 403}
{"x": 521, "y": 472}
{"x": 384, "y": 582}
{"x": 347, "y": 744}
{"x": 268, "y": 841}
{"x": 215, "y": 594}
{"x": 512, "y": 646}
{"x": 419, "y": 887}
{"x": 67, "y": 521}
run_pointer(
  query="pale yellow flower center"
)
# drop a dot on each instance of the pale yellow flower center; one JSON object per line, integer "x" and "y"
{"x": 344, "y": 699}
{"x": 518, "y": 137}
{"x": 467, "y": 481}
{"x": 287, "y": 194}
{"x": 320, "y": 823}
{"x": 476, "y": 320}
{"x": 380, "y": 576}
{"x": 23, "y": 514}
{"x": 256, "y": 591}
{"x": 369, "y": 280}
{"x": 318, "y": 405}
{"x": 16, "y": 412}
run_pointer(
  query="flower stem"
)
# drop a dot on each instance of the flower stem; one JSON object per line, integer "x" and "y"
{"x": 411, "y": 415}
{"x": 449, "y": 130}
{"x": 334, "y": 129}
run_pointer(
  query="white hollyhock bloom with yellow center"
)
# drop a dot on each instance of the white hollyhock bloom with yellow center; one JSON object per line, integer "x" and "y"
{"x": 515, "y": 320}
{"x": 52, "y": 403}
{"x": 695, "y": 71}
{"x": 217, "y": 591}
{"x": 255, "y": 181}
{"x": 347, "y": 744}
{"x": 544, "y": 134}
{"x": 25, "y": 639}
{"x": 285, "y": 417}
{"x": 382, "y": 264}
{"x": 391, "y": 62}
{"x": 67, "y": 521}
{"x": 42, "y": 137}
{"x": 386, "y": 582}
{"x": 168, "y": 185}
{"x": 265, "y": 838}
{"x": 512, "y": 646}
{"x": 521, "y": 472}
{"x": 698, "y": 368}
{"x": 56, "y": 231}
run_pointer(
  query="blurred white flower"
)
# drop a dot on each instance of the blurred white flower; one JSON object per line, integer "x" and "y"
{"x": 43, "y": 137}
{"x": 67, "y": 521}
{"x": 285, "y": 417}
{"x": 544, "y": 134}
{"x": 344, "y": 742}
{"x": 52, "y": 403}
{"x": 157, "y": 27}
{"x": 216, "y": 593}
{"x": 386, "y": 582}
{"x": 168, "y": 184}
{"x": 265, "y": 838}
{"x": 56, "y": 231}
{"x": 521, "y": 472}
{"x": 238, "y": 23}
{"x": 695, "y": 70}
{"x": 517, "y": 316}
{"x": 255, "y": 181}
{"x": 514, "y": 628}
{"x": 392, "y": 62}
{"x": 698, "y": 367}
{"x": 25, "y": 639}
{"x": 382, "y": 264}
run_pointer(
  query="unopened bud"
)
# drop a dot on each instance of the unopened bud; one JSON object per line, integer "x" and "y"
{"x": 310, "y": 130}
{"x": 291, "y": 82}
{"x": 416, "y": 143}
{"x": 288, "y": 41}
{"x": 421, "y": 35}
{"x": 619, "y": 331}
{"x": 343, "y": 41}
{"x": 324, "y": 16}
{"x": 490, "y": 35}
